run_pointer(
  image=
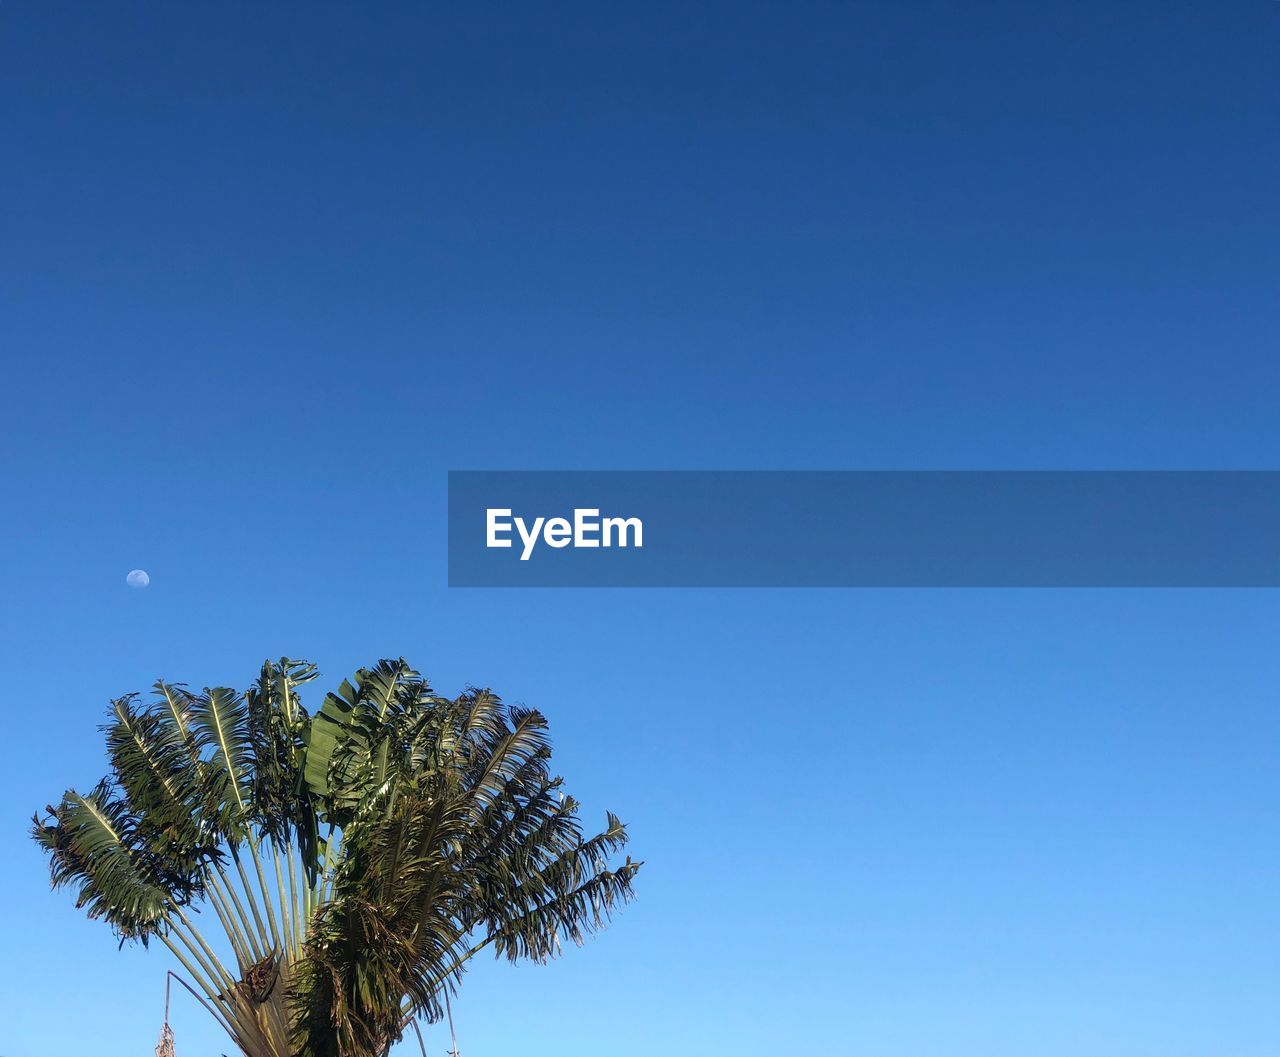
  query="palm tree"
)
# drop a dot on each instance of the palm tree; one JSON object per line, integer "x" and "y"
{"x": 324, "y": 880}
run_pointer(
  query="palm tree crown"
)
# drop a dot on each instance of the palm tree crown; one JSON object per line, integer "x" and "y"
{"x": 353, "y": 860}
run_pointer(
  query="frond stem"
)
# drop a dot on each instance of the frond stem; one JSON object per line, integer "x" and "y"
{"x": 253, "y": 903}
{"x": 258, "y": 951}
{"x": 217, "y": 1013}
{"x": 241, "y": 942}
{"x": 262, "y": 886}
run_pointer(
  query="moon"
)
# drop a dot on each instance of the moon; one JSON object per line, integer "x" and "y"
{"x": 138, "y": 578}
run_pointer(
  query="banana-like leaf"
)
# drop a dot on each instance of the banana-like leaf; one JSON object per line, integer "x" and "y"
{"x": 277, "y": 724}
{"x": 152, "y": 769}
{"x": 93, "y": 845}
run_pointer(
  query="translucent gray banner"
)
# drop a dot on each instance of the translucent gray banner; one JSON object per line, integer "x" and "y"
{"x": 864, "y": 528}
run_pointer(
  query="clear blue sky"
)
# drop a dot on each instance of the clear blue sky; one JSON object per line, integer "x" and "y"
{"x": 269, "y": 271}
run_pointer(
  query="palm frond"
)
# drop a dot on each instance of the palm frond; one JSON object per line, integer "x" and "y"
{"x": 151, "y": 768}
{"x": 94, "y": 846}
